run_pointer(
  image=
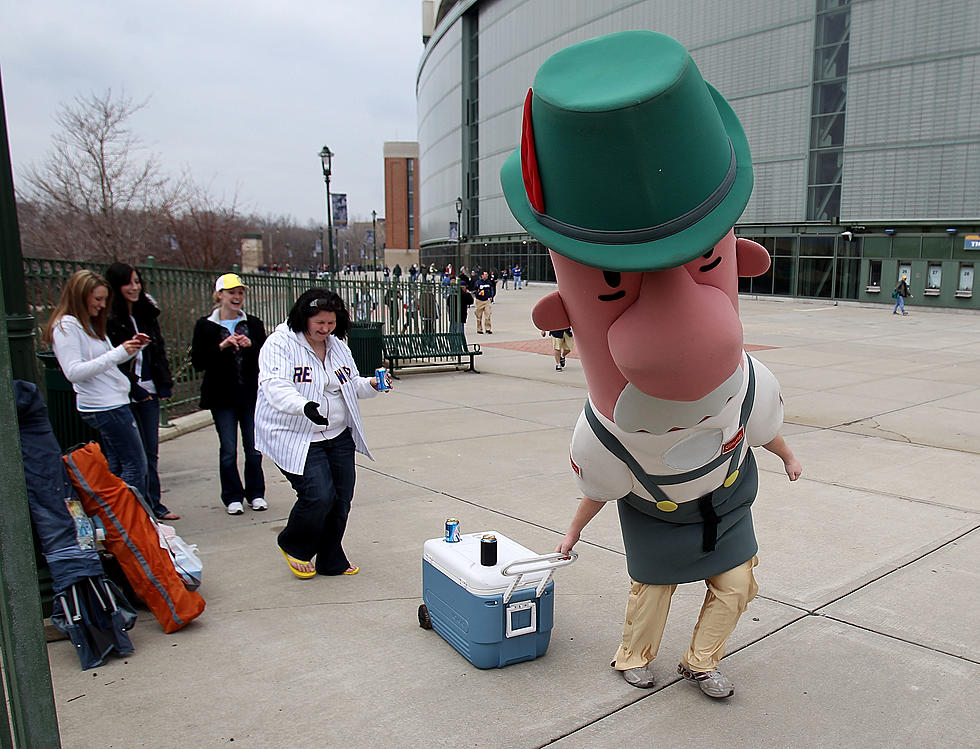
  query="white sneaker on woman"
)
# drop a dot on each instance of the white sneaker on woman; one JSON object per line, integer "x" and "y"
{"x": 258, "y": 504}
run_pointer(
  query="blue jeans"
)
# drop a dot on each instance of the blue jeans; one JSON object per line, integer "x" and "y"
{"x": 226, "y": 422}
{"x": 323, "y": 497}
{"x": 899, "y": 302}
{"x": 121, "y": 443}
{"x": 147, "y": 414}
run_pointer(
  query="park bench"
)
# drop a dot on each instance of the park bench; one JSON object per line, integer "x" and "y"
{"x": 409, "y": 350}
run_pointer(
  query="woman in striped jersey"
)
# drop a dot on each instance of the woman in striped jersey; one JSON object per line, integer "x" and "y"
{"x": 308, "y": 422}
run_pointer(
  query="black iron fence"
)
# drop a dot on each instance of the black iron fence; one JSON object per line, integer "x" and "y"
{"x": 378, "y": 307}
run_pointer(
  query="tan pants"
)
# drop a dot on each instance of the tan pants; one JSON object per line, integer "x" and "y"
{"x": 482, "y": 308}
{"x": 726, "y": 599}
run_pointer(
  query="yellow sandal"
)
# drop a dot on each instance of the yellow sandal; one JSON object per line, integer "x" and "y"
{"x": 292, "y": 561}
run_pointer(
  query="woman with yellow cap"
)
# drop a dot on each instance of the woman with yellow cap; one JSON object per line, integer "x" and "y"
{"x": 226, "y": 348}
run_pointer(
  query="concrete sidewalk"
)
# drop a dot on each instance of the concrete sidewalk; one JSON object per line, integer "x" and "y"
{"x": 864, "y": 633}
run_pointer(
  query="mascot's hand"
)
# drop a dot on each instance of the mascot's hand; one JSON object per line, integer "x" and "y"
{"x": 570, "y": 539}
{"x": 793, "y": 469}
{"x": 310, "y": 409}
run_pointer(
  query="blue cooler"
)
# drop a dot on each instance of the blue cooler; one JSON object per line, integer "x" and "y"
{"x": 493, "y": 616}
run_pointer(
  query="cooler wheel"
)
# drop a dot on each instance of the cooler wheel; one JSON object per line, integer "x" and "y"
{"x": 425, "y": 621}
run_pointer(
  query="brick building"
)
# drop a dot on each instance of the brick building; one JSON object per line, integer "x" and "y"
{"x": 401, "y": 195}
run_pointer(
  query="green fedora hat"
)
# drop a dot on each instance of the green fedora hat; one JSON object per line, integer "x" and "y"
{"x": 628, "y": 161}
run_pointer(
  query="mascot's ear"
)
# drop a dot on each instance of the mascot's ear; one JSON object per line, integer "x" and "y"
{"x": 549, "y": 313}
{"x": 752, "y": 258}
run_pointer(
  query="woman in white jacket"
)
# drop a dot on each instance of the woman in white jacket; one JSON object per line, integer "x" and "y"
{"x": 77, "y": 332}
{"x": 308, "y": 422}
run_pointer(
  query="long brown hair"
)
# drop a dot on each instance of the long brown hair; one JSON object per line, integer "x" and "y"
{"x": 74, "y": 302}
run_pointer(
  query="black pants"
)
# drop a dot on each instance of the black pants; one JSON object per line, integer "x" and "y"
{"x": 323, "y": 497}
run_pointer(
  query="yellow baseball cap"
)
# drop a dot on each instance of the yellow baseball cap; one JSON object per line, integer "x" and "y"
{"x": 229, "y": 281}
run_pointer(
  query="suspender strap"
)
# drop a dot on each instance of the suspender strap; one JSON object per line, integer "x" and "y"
{"x": 710, "y": 533}
{"x": 653, "y": 483}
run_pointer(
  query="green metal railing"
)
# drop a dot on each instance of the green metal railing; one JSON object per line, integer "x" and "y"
{"x": 185, "y": 295}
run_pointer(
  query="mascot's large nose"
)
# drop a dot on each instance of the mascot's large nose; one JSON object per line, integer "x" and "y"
{"x": 680, "y": 340}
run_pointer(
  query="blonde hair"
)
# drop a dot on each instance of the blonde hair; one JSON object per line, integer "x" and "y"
{"x": 74, "y": 302}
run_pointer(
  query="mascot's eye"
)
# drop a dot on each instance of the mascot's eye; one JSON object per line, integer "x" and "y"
{"x": 613, "y": 280}
{"x": 710, "y": 266}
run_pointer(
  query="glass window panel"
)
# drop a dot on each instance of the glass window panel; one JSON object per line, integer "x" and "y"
{"x": 782, "y": 245}
{"x": 829, "y": 97}
{"x": 905, "y": 247}
{"x": 876, "y": 246}
{"x": 830, "y": 62}
{"x": 823, "y": 203}
{"x": 848, "y": 278}
{"x": 823, "y": 5}
{"x": 934, "y": 276}
{"x": 936, "y": 246}
{"x": 827, "y": 131}
{"x": 825, "y": 167}
{"x": 782, "y": 276}
{"x": 834, "y": 26}
{"x": 816, "y": 246}
{"x": 815, "y": 276}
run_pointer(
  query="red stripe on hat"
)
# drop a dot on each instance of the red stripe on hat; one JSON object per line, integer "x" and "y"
{"x": 529, "y": 160}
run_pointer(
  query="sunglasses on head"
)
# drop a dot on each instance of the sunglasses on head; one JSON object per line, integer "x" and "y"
{"x": 322, "y": 303}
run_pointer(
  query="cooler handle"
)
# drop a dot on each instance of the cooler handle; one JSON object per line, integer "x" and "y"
{"x": 549, "y": 562}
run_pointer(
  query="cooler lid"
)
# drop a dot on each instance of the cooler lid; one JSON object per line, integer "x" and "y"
{"x": 460, "y": 562}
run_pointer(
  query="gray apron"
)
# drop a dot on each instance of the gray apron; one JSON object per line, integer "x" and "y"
{"x": 668, "y": 543}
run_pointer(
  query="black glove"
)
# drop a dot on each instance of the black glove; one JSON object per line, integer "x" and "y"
{"x": 310, "y": 409}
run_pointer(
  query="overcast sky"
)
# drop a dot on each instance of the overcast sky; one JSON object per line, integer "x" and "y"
{"x": 242, "y": 93}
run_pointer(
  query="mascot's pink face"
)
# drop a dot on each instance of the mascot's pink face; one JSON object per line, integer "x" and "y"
{"x": 672, "y": 335}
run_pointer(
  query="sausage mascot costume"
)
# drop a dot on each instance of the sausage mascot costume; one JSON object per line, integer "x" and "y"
{"x": 632, "y": 171}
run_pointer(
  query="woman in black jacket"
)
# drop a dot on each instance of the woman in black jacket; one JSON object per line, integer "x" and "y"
{"x": 132, "y": 312}
{"x": 226, "y": 347}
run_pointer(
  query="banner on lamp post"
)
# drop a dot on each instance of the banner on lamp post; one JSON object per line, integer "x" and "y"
{"x": 338, "y": 202}
{"x": 453, "y": 230}
{"x": 369, "y": 237}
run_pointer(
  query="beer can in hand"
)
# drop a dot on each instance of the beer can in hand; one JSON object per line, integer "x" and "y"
{"x": 383, "y": 382}
{"x": 452, "y": 531}
{"x": 488, "y": 550}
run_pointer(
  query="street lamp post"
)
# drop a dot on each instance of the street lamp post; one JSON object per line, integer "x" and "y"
{"x": 374, "y": 239}
{"x": 459, "y": 230}
{"x": 325, "y": 157}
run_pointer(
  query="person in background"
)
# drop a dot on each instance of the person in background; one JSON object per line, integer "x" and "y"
{"x": 133, "y": 312}
{"x": 901, "y": 291}
{"x": 562, "y": 341}
{"x": 226, "y": 348}
{"x": 484, "y": 291}
{"x": 76, "y": 331}
{"x": 308, "y": 422}
{"x": 456, "y": 307}
{"x": 516, "y": 272}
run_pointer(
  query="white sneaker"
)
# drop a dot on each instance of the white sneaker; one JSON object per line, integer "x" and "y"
{"x": 258, "y": 504}
{"x": 235, "y": 508}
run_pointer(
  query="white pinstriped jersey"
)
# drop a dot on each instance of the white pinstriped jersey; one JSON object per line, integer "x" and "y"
{"x": 291, "y": 375}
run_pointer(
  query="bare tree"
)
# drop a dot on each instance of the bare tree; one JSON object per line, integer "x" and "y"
{"x": 98, "y": 195}
{"x": 205, "y": 232}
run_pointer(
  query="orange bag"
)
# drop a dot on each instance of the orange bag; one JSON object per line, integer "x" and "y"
{"x": 131, "y": 536}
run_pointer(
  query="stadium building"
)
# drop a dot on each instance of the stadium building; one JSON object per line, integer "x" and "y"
{"x": 863, "y": 118}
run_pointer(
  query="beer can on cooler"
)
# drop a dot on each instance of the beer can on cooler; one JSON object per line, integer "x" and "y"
{"x": 382, "y": 375}
{"x": 452, "y": 531}
{"x": 488, "y": 550}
